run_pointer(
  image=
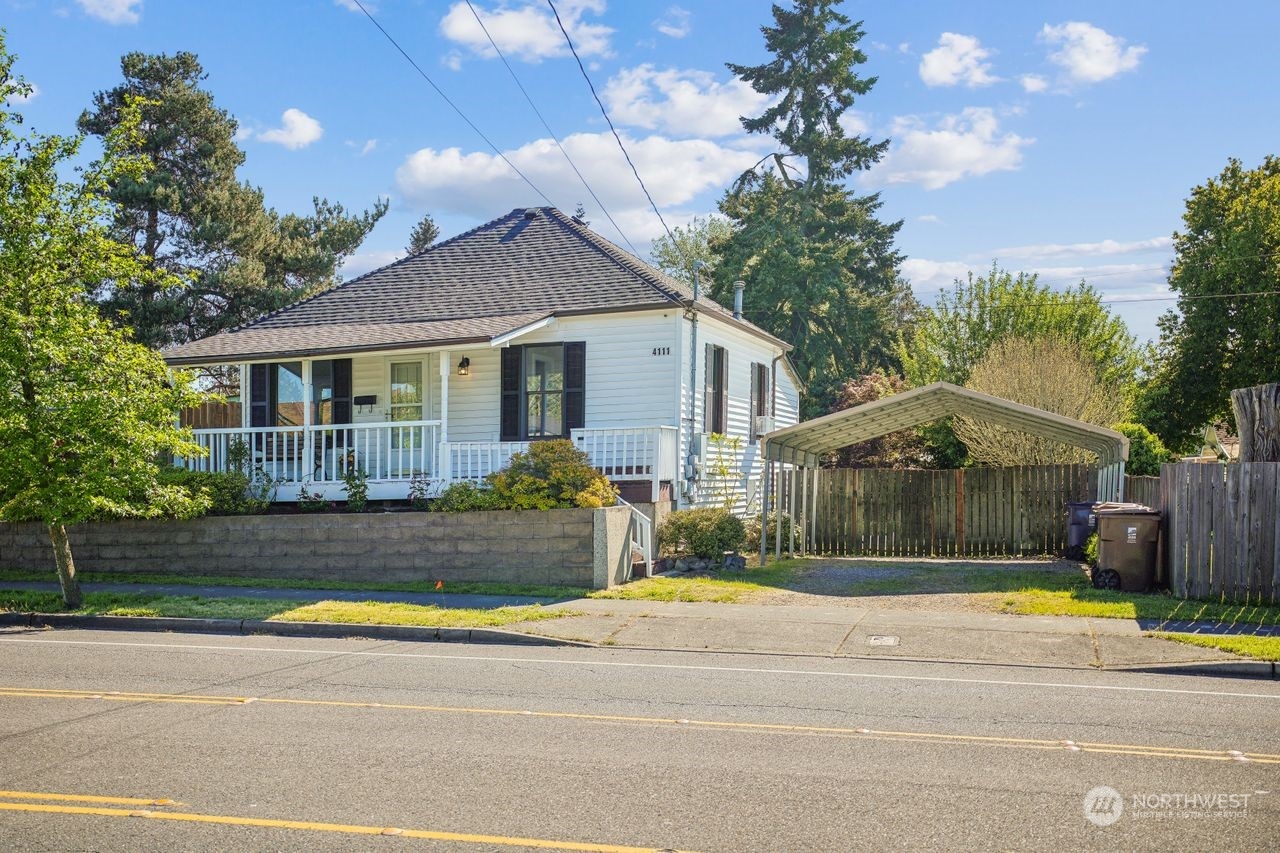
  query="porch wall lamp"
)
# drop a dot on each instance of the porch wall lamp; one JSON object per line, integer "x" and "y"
{"x": 464, "y": 366}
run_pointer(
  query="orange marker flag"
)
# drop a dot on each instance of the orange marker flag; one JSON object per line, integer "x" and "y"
{"x": 439, "y": 584}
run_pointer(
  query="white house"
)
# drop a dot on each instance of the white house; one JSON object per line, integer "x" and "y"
{"x": 438, "y": 367}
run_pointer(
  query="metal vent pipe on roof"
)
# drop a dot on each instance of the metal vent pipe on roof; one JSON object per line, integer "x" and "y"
{"x": 738, "y": 288}
{"x": 531, "y": 213}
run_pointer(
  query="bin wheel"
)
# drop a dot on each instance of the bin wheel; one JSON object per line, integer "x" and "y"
{"x": 1106, "y": 579}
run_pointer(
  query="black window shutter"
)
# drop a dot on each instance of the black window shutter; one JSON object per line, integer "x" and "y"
{"x": 708, "y": 389}
{"x": 575, "y": 386}
{"x": 722, "y": 391}
{"x": 755, "y": 401}
{"x": 259, "y": 395}
{"x": 342, "y": 390}
{"x": 510, "y": 430}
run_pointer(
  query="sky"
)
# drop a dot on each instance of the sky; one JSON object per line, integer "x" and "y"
{"x": 1057, "y": 138}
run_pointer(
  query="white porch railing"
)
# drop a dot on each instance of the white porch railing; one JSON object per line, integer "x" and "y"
{"x": 385, "y": 451}
{"x": 640, "y": 534}
{"x": 398, "y": 451}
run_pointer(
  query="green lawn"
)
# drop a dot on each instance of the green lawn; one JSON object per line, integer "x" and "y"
{"x": 728, "y": 588}
{"x": 348, "y": 612}
{"x": 459, "y": 587}
{"x": 1086, "y": 601}
{"x": 1262, "y": 648}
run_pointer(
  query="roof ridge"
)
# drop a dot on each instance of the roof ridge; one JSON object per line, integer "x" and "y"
{"x": 256, "y": 320}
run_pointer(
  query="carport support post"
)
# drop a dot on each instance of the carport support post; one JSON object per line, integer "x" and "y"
{"x": 777, "y": 503}
{"x": 764, "y": 509}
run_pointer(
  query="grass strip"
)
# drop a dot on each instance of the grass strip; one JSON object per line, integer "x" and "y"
{"x": 1261, "y": 648}
{"x": 1107, "y": 604}
{"x": 347, "y": 612}
{"x": 727, "y": 589}
{"x": 429, "y": 585}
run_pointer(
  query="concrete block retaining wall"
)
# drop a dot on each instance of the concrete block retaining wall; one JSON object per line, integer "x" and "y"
{"x": 569, "y": 547}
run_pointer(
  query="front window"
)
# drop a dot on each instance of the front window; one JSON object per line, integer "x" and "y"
{"x": 544, "y": 391}
{"x": 406, "y": 398}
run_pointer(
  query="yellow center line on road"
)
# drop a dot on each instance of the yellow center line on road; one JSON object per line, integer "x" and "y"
{"x": 1147, "y": 750}
{"x": 87, "y": 798}
{"x": 348, "y": 829}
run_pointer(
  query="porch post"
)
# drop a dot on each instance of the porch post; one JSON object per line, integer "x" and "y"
{"x": 777, "y": 509}
{"x": 308, "y": 446}
{"x": 442, "y": 449}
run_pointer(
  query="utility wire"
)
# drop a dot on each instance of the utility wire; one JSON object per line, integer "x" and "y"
{"x": 538, "y": 113}
{"x": 605, "y": 113}
{"x": 455, "y": 107}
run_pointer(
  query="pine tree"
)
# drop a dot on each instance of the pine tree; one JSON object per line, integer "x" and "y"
{"x": 189, "y": 215}
{"x": 422, "y": 235}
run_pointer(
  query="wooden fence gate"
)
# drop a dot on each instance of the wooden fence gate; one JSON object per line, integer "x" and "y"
{"x": 972, "y": 512}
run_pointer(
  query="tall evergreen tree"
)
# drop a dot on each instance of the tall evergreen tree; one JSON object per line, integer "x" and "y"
{"x": 821, "y": 269}
{"x": 189, "y": 216}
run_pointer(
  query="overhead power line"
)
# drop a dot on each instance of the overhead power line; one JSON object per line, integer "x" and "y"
{"x": 582, "y": 68}
{"x": 538, "y": 113}
{"x": 455, "y": 107}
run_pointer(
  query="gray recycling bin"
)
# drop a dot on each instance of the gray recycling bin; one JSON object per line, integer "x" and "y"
{"x": 1128, "y": 547}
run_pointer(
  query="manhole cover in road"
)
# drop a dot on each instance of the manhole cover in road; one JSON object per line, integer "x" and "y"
{"x": 882, "y": 640}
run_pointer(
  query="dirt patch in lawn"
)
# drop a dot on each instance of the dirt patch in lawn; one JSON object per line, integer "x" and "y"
{"x": 916, "y": 584}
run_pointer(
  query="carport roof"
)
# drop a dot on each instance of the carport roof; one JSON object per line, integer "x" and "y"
{"x": 803, "y": 443}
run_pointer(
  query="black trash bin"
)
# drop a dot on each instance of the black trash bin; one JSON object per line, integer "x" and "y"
{"x": 1128, "y": 548}
{"x": 1080, "y": 523}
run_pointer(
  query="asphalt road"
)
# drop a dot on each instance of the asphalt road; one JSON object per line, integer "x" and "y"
{"x": 266, "y": 743}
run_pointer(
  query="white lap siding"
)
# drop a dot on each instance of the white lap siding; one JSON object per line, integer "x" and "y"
{"x": 744, "y": 465}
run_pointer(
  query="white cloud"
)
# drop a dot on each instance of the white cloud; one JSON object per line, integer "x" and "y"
{"x": 684, "y": 103}
{"x": 22, "y": 99}
{"x": 528, "y": 30}
{"x": 854, "y": 123}
{"x": 1033, "y": 83}
{"x": 928, "y": 277}
{"x": 113, "y": 11}
{"x": 297, "y": 130}
{"x": 957, "y": 59}
{"x": 1100, "y": 248}
{"x": 929, "y": 217}
{"x": 480, "y": 184}
{"x": 368, "y": 146}
{"x": 675, "y": 22}
{"x": 1090, "y": 54}
{"x": 353, "y": 6}
{"x": 242, "y": 134}
{"x": 904, "y": 47}
{"x": 965, "y": 145}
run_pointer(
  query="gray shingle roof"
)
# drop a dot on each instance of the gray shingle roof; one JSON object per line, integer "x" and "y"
{"x": 506, "y": 273}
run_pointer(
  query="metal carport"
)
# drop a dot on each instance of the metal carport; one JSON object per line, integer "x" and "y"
{"x": 801, "y": 446}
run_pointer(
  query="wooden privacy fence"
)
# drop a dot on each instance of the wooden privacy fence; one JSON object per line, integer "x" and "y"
{"x": 1222, "y": 530}
{"x": 968, "y": 512}
{"x": 209, "y": 415}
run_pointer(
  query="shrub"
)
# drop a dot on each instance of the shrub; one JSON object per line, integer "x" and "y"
{"x": 705, "y": 533}
{"x": 356, "y": 484}
{"x": 1091, "y": 550}
{"x": 1146, "y": 451}
{"x": 552, "y": 475}
{"x": 222, "y": 493}
{"x": 420, "y": 488}
{"x": 753, "y": 530}
{"x": 465, "y": 496}
{"x": 311, "y": 501}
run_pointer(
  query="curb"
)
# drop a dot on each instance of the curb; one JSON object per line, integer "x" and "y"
{"x": 327, "y": 630}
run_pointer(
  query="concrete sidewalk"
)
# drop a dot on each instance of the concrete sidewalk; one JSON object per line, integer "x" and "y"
{"x": 856, "y": 632}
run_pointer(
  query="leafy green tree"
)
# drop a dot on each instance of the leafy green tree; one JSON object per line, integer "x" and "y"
{"x": 422, "y": 235}
{"x": 956, "y": 333}
{"x": 689, "y": 244}
{"x": 84, "y": 412}
{"x": 1215, "y": 342}
{"x": 190, "y": 216}
{"x": 821, "y": 269}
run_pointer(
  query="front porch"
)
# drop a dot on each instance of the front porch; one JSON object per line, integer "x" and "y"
{"x": 398, "y": 455}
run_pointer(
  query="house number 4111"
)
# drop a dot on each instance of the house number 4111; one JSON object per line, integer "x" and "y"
{"x": 662, "y": 350}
